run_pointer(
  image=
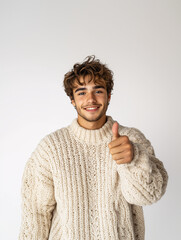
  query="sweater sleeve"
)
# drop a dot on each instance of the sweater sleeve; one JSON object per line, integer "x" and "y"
{"x": 144, "y": 180}
{"x": 37, "y": 193}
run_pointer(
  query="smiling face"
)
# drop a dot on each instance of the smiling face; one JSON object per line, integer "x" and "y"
{"x": 91, "y": 102}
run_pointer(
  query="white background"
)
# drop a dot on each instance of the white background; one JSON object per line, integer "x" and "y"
{"x": 41, "y": 40}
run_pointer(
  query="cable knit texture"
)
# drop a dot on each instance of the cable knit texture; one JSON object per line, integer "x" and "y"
{"x": 72, "y": 189}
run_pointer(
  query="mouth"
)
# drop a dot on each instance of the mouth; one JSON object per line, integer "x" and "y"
{"x": 91, "y": 108}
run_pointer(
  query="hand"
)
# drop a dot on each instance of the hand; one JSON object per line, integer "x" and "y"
{"x": 121, "y": 148}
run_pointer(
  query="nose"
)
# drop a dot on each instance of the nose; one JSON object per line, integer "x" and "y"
{"x": 91, "y": 98}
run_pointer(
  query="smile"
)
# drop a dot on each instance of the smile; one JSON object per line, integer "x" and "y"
{"x": 91, "y": 108}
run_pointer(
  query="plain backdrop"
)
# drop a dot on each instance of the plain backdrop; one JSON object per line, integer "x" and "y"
{"x": 41, "y": 40}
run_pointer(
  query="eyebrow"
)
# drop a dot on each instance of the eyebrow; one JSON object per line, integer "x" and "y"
{"x": 95, "y": 87}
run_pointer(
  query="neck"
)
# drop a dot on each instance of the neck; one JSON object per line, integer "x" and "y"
{"x": 93, "y": 137}
{"x": 93, "y": 124}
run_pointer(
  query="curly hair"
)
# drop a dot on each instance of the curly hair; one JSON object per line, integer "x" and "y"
{"x": 97, "y": 71}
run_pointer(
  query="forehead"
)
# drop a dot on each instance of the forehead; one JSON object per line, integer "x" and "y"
{"x": 88, "y": 81}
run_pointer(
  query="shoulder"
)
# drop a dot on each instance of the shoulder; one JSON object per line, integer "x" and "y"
{"x": 54, "y": 137}
{"x": 47, "y": 147}
{"x": 132, "y": 132}
{"x": 136, "y": 136}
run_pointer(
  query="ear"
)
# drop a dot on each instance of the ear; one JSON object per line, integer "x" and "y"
{"x": 73, "y": 102}
{"x": 109, "y": 97}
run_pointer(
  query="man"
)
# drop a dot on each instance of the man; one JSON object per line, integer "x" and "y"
{"x": 90, "y": 179}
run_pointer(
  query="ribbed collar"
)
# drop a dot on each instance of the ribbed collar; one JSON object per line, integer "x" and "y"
{"x": 94, "y": 137}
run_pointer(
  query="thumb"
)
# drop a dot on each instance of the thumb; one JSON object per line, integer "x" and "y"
{"x": 115, "y": 133}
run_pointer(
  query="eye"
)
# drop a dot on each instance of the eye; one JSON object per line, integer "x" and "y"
{"x": 81, "y": 93}
{"x": 99, "y": 91}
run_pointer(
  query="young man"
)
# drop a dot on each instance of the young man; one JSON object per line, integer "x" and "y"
{"x": 90, "y": 179}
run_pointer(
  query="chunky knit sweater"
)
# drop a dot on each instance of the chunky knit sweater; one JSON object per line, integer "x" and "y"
{"x": 72, "y": 189}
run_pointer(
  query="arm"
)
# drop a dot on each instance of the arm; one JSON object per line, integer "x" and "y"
{"x": 143, "y": 181}
{"x": 37, "y": 193}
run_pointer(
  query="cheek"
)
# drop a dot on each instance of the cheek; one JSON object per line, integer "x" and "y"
{"x": 78, "y": 101}
{"x": 104, "y": 99}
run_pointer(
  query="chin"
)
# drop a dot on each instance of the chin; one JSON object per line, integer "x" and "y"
{"x": 93, "y": 119}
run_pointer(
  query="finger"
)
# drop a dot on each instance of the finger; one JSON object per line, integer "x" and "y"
{"x": 119, "y": 141}
{"x": 115, "y": 129}
{"x": 117, "y": 149}
{"x": 123, "y": 161}
{"x": 122, "y": 155}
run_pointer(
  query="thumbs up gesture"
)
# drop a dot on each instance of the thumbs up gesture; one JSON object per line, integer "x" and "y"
{"x": 120, "y": 147}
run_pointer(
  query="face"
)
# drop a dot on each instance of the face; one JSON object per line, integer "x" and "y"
{"x": 91, "y": 101}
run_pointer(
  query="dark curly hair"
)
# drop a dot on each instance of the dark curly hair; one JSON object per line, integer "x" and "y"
{"x": 94, "y": 68}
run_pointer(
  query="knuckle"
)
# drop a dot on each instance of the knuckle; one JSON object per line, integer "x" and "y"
{"x": 129, "y": 160}
{"x": 125, "y": 138}
{"x": 129, "y": 153}
{"x": 127, "y": 146}
{"x": 111, "y": 151}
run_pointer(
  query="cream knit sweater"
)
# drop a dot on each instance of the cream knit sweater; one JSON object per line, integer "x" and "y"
{"x": 73, "y": 190}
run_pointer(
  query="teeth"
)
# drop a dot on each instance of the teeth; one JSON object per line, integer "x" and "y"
{"x": 91, "y": 108}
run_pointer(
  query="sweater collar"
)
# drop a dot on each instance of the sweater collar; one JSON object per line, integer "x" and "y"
{"x": 98, "y": 136}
